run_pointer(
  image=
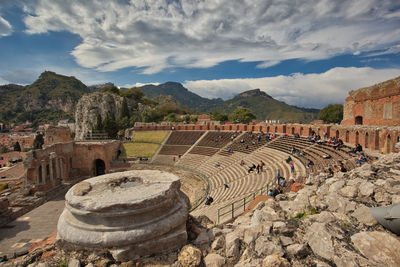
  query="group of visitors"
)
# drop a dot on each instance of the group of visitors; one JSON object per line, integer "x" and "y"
{"x": 259, "y": 168}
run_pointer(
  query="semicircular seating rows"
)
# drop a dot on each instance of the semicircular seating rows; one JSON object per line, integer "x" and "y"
{"x": 218, "y": 156}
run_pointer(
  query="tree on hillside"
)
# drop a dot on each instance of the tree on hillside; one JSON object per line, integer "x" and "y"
{"x": 243, "y": 115}
{"x": 124, "y": 110}
{"x": 110, "y": 126}
{"x": 38, "y": 141}
{"x": 218, "y": 116}
{"x": 110, "y": 89}
{"x": 333, "y": 113}
{"x": 135, "y": 93}
{"x": 17, "y": 146}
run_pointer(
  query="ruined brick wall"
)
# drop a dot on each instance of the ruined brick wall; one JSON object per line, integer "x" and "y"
{"x": 54, "y": 135}
{"x": 46, "y": 168}
{"x": 375, "y": 105}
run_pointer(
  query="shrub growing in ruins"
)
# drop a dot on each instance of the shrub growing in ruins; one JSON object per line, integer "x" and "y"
{"x": 17, "y": 146}
{"x": 38, "y": 141}
{"x": 333, "y": 113}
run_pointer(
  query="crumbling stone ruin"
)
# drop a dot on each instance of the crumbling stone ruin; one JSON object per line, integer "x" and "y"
{"x": 374, "y": 105}
{"x": 46, "y": 168}
{"x": 130, "y": 214}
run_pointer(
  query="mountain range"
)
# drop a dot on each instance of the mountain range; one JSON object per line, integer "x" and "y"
{"x": 53, "y": 97}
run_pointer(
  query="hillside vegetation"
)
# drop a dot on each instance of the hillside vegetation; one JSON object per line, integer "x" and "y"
{"x": 50, "y": 98}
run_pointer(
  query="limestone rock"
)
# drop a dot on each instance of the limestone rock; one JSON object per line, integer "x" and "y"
{"x": 74, "y": 263}
{"x": 264, "y": 246}
{"x": 349, "y": 191}
{"x": 190, "y": 256}
{"x": 320, "y": 240}
{"x": 297, "y": 250}
{"x": 276, "y": 261}
{"x": 363, "y": 215}
{"x": 218, "y": 243}
{"x": 380, "y": 247}
{"x": 336, "y": 186}
{"x": 232, "y": 245}
{"x": 214, "y": 260}
{"x": 285, "y": 241}
{"x": 366, "y": 189}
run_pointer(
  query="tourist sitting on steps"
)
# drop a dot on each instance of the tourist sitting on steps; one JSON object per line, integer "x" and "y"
{"x": 251, "y": 168}
{"x": 209, "y": 200}
{"x": 310, "y": 163}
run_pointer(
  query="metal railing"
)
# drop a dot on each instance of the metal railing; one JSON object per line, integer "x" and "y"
{"x": 239, "y": 206}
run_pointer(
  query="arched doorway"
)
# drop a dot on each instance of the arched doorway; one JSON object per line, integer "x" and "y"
{"x": 359, "y": 120}
{"x": 267, "y": 129}
{"x": 337, "y": 134}
{"x": 292, "y": 130}
{"x": 357, "y": 137}
{"x": 301, "y": 131}
{"x": 276, "y": 129}
{"x": 347, "y": 136}
{"x": 99, "y": 167}
{"x": 366, "y": 140}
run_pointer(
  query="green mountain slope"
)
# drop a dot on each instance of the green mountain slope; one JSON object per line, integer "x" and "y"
{"x": 50, "y": 97}
{"x": 267, "y": 108}
{"x": 182, "y": 95}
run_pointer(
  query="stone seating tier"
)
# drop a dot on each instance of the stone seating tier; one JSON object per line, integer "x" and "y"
{"x": 184, "y": 137}
{"x": 201, "y": 150}
{"x": 173, "y": 150}
{"x": 217, "y": 139}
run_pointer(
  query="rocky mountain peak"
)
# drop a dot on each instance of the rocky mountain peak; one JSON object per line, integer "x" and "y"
{"x": 254, "y": 92}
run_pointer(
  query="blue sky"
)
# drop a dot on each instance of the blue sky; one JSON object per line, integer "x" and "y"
{"x": 308, "y": 53}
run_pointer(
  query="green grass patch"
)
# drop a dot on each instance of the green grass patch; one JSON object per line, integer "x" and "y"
{"x": 139, "y": 149}
{"x": 149, "y": 136}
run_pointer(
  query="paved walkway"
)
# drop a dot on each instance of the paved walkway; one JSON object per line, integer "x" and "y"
{"x": 31, "y": 227}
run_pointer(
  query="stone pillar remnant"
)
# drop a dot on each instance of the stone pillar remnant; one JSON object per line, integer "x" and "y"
{"x": 130, "y": 214}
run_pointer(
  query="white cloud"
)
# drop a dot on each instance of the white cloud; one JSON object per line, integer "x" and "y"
{"x": 156, "y": 34}
{"x": 304, "y": 90}
{"x": 5, "y": 27}
{"x": 138, "y": 85}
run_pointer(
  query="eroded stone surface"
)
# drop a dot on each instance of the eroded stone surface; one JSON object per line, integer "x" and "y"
{"x": 131, "y": 214}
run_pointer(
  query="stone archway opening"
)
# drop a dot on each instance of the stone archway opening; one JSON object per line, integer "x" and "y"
{"x": 99, "y": 167}
{"x": 292, "y": 130}
{"x": 359, "y": 120}
{"x": 366, "y": 141}
{"x": 337, "y": 134}
{"x": 357, "y": 138}
{"x": 301, "y": 131}
{"x": 347, "y": 137}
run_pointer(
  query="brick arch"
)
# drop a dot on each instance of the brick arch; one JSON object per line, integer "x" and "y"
{"x": 388, "y": 144}
{"x": 292, "y": 130}
{"x": 337, "y": 135}
{"x": 357, "y": 137}
{"x": 366, "y": 140}
{"x": 301, "y": 131}
{"x": 347, "y": 136}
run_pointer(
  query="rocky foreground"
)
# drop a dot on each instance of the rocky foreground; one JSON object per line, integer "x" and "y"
{"x": 327, "y": 223}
